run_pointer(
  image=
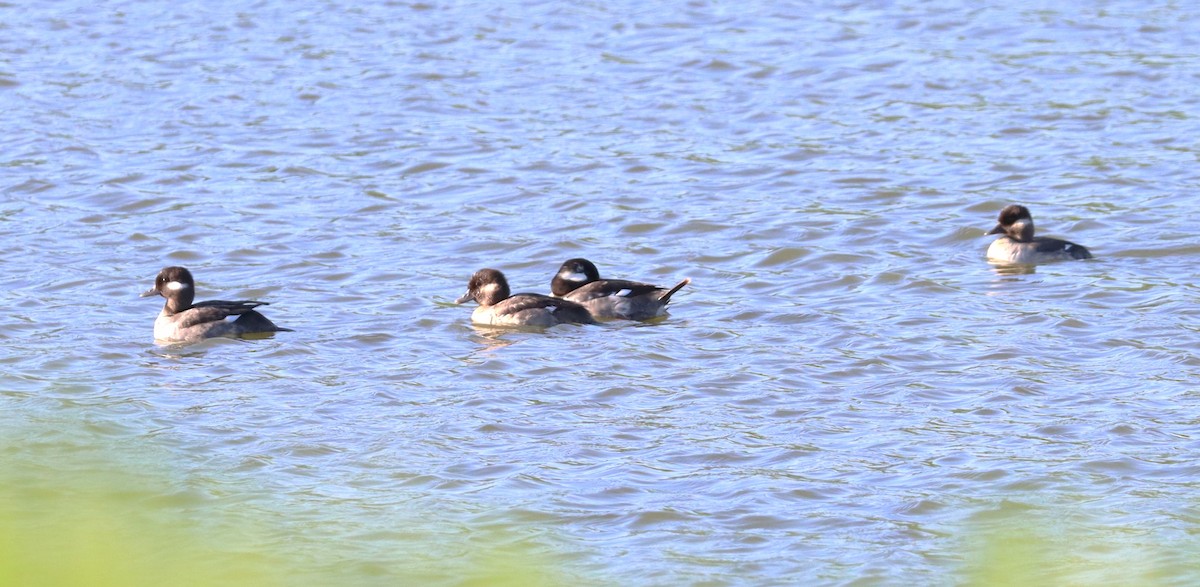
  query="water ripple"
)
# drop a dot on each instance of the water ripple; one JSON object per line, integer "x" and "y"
{"x": 847, "y": 392}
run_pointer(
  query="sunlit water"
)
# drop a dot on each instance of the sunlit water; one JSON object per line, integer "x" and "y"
{"x": 847, "y": 393}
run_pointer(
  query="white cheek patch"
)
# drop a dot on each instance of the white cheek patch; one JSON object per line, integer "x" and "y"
{"x": 176, "y": 286}
{"x": 573, "y": 276}
{"x": 1018, "y": 226}
{"x": 491, "y": 288}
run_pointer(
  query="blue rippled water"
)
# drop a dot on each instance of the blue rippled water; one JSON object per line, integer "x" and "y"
{"x": 848, "y": 393}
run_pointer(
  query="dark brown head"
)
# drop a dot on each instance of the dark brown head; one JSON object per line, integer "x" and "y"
{"x": 1015, "y": 222}
{"x": 486, "y": 287}
{"x": 175, "y": 284}
{"x": 574, "y": 274}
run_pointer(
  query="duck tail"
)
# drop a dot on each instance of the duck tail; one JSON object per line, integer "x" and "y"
{"x": 667, "y": 296}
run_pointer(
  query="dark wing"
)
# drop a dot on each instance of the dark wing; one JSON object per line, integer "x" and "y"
{"x": 216, "y": 310}
{"x": 526, "y": 301}
{"x": 614, "y": 287}
{"x": 1080, "y": 252}
{"x": 565, "y": 310}
{"x": 1054, "y": 245}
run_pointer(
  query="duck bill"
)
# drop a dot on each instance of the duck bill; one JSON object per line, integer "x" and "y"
{"x": 148, "y": 293}
{"x": 998, "y": 230}
{"x": 465, "y": 298}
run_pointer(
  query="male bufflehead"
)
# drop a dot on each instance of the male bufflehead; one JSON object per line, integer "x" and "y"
{"x": 183, "y": 321}
{"x": 497, "y": 308}
{"x": 1018, "y": 245}
{"x": 578, "y": 280}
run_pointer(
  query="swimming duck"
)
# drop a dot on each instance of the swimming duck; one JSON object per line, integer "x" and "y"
{"x": 184, "y": 321}
{"x": 1018, "y": 245}
{"x": 497, "y": 307}
{"x": 579, "y": 281}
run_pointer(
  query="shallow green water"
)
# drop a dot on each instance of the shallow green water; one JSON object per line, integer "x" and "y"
{"x": 848, "y": 393}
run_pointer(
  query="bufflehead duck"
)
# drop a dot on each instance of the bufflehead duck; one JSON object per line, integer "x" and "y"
{"x": 498, "y": 308}
{"x": 183, "y": 321}
{"x": 1018, "y": 245}
{"x": 579, "y": 281}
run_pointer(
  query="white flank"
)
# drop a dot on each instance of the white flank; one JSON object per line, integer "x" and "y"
{"x": 623, "y": 293}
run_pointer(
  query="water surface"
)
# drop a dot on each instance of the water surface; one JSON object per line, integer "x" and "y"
{"x": 848, "y": 393}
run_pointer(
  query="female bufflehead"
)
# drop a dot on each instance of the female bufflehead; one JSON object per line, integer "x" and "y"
{"x": 498, "y": 308}
{"x": 579, "y": 281}
{"x": 183, "y": 321}
{"x": 1018, "y": 245}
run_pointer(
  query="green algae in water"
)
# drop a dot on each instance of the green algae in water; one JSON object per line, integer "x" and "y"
{"x": 86, "y": 514}
{"x": 1019, "y": 546}
{"x": 80, "y": 508}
